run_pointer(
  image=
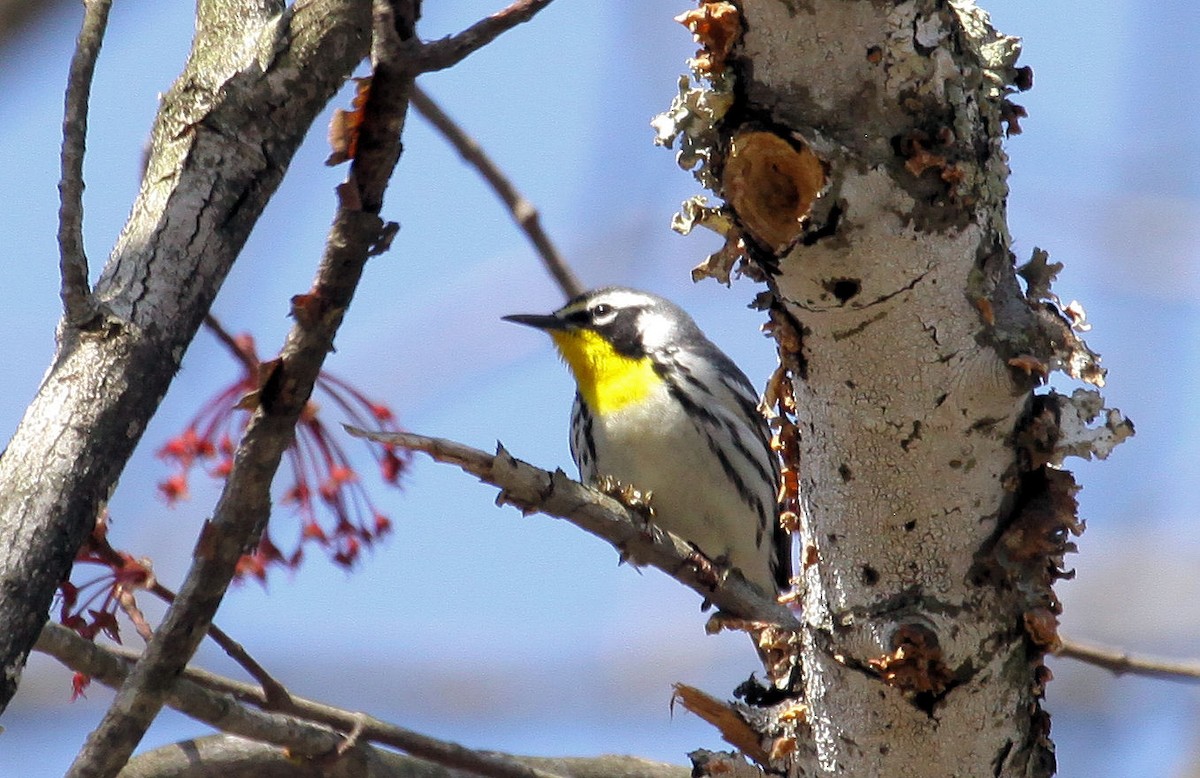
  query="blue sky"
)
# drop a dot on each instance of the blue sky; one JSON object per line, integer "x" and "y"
{"x": 476, "y": 624}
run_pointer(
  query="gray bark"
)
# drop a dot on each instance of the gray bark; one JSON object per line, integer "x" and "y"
{"x": 255, "y": 80}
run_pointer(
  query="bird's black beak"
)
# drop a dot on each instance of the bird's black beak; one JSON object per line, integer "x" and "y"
{"x": 537, "y": 321}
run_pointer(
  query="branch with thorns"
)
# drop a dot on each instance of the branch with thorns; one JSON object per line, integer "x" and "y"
{"x": 553, "y": 493}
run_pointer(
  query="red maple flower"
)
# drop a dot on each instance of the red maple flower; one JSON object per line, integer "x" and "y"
{"x": 79, "y": 684}
{"x": 346, "y": 519}
{"x": 90, "y": 607}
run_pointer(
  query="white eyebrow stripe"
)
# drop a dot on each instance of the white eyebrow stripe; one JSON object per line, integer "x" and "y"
{"x": 622, "y": 298}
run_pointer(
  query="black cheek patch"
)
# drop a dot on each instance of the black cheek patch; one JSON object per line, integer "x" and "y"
{"x": 622, "y": 333}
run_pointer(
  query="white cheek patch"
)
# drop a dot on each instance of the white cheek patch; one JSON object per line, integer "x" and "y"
{"x": 656, "y": 330}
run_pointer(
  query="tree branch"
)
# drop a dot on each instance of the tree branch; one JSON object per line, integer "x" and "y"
{"x": 232, "y": 757}
{"x": 78, "y": 306}
{"x": 523, "y": 212}
{"x": 202, "y": 193}
{"x": 187, "y": 695}
{"x": 531, "y": 489}
{"x": 393, "y": 49}
{"x": 244, "y": 506}
{"x": 305, "y": 728}
{"x": 1120, "y": 662}
{"x": 451, "y": 50}
{"x": 218, "y": 330}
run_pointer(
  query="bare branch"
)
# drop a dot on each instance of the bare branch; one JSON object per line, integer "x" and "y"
{"x": 304, "y": 729}
{"x": 233, "y": 757}
{"x": 531, "y": 489}
{"x": 523, "y": 212}
{"x": 218, "y": 330}
{"x": 1121, "y": 662}
{"x": 386, "y": 108}
{"x": 78, "y": 306}
{"x": 230, "y": 756}
{"x": 449, "y": 51}
{"x": 187, "y": 695}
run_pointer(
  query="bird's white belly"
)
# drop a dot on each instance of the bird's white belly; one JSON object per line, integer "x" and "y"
{"x": 654, "y": 446}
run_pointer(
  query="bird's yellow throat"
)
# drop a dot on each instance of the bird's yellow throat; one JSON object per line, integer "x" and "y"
{"x": 607, "y": 380}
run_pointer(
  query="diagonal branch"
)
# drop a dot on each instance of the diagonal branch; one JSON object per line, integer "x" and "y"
{"x": 249, "y": 361}
{"x": 439, "y": 55}
{"x": 394, "y": 47}
{"x": 244, "y": 506}
{"x": 532, "y": 489}
{"x": 523, "y": 212}
{"x": 1121, "y": 662}
{"x": 78, "y": 306}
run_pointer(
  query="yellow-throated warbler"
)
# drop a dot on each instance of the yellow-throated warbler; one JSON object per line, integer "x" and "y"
{"x": 660, "y": 408}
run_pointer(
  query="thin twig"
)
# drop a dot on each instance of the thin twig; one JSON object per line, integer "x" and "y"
{"x": 523, "y": 211}
{"x": 128, "y": 603}
{"x": 205, "y": 696}
{"x": 439, "y": 55}
{"x": 1121, "y": 662}
{"x": 532, "y": 489}
{"x": 78, "y": 306}
{"x": 250, "y": 361}
{"x": 276, "y": 693}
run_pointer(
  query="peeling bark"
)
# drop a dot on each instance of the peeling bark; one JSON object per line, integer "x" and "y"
{"x": 872, "y": 202}
{"x": 907, "y": 407}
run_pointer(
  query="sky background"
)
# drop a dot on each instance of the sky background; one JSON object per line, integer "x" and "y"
{"x": 522, "y": 634}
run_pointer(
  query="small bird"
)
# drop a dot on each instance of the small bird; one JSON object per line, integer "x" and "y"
{"x": 659, "y": 408}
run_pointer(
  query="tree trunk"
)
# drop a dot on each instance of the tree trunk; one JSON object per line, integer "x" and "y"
{"x": 858, "y": 148}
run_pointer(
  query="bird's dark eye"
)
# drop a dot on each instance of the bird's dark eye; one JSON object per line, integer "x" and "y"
{"x": 601, "y": 311}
